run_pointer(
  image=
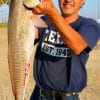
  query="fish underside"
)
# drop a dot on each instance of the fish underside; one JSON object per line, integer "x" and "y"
{"x": 21, "y": 31}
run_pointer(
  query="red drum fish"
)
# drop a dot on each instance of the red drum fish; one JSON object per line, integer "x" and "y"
{"x": 21, "y": 35}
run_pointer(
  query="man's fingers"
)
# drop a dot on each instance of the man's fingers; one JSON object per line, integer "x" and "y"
{"x": 36, "y": 10}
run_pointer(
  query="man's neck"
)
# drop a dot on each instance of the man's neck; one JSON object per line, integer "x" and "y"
{"x": 71, "y": 19}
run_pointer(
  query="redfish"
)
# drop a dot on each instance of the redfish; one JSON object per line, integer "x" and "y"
{"x": 21, "y": 36}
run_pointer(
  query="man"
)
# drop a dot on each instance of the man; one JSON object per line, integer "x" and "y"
{"x": 63, "y": 50}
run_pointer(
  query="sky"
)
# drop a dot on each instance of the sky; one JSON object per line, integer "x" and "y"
{"x": 4, "y": 12}
{"x": 90, "y": 9}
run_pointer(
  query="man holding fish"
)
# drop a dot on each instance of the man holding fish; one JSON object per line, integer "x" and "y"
{"x": 63, "y": 50}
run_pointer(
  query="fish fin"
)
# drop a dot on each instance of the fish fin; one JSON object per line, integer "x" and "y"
{"x": 38, "y": 22}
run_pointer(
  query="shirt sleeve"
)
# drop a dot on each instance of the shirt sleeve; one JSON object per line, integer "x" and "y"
{"x": 90, "y": 31}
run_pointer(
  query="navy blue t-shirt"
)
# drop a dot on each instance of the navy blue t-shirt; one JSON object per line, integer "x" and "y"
{"x": 56, "y": 67}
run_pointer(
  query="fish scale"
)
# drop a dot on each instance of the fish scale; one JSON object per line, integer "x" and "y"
{"x": 17, "y": 55}
{"x": 21, "y": 33}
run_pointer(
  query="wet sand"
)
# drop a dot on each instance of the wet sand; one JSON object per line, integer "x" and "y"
{"x": 91, "y": 92}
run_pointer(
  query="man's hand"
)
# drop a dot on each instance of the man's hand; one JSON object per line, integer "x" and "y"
{"x": 45, "y": 7}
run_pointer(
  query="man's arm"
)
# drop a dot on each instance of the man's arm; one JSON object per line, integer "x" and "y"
{"x": 71, "y": 37}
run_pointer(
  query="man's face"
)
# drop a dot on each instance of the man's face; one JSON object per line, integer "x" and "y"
{"x": 70, "y": 7}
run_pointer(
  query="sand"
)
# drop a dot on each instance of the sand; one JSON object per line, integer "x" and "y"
{"x": 91, "y": 92}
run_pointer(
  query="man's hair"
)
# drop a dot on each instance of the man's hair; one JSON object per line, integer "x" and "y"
{"x": 82, "y": 5}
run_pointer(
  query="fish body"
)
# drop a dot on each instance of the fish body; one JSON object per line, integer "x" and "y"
{"x": 21, "y": 31}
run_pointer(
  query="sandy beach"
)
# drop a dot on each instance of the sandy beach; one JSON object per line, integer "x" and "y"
{"x": 91, "y": 92}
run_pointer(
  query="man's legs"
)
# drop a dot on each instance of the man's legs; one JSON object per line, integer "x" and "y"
{"x": 36, "y": 95}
